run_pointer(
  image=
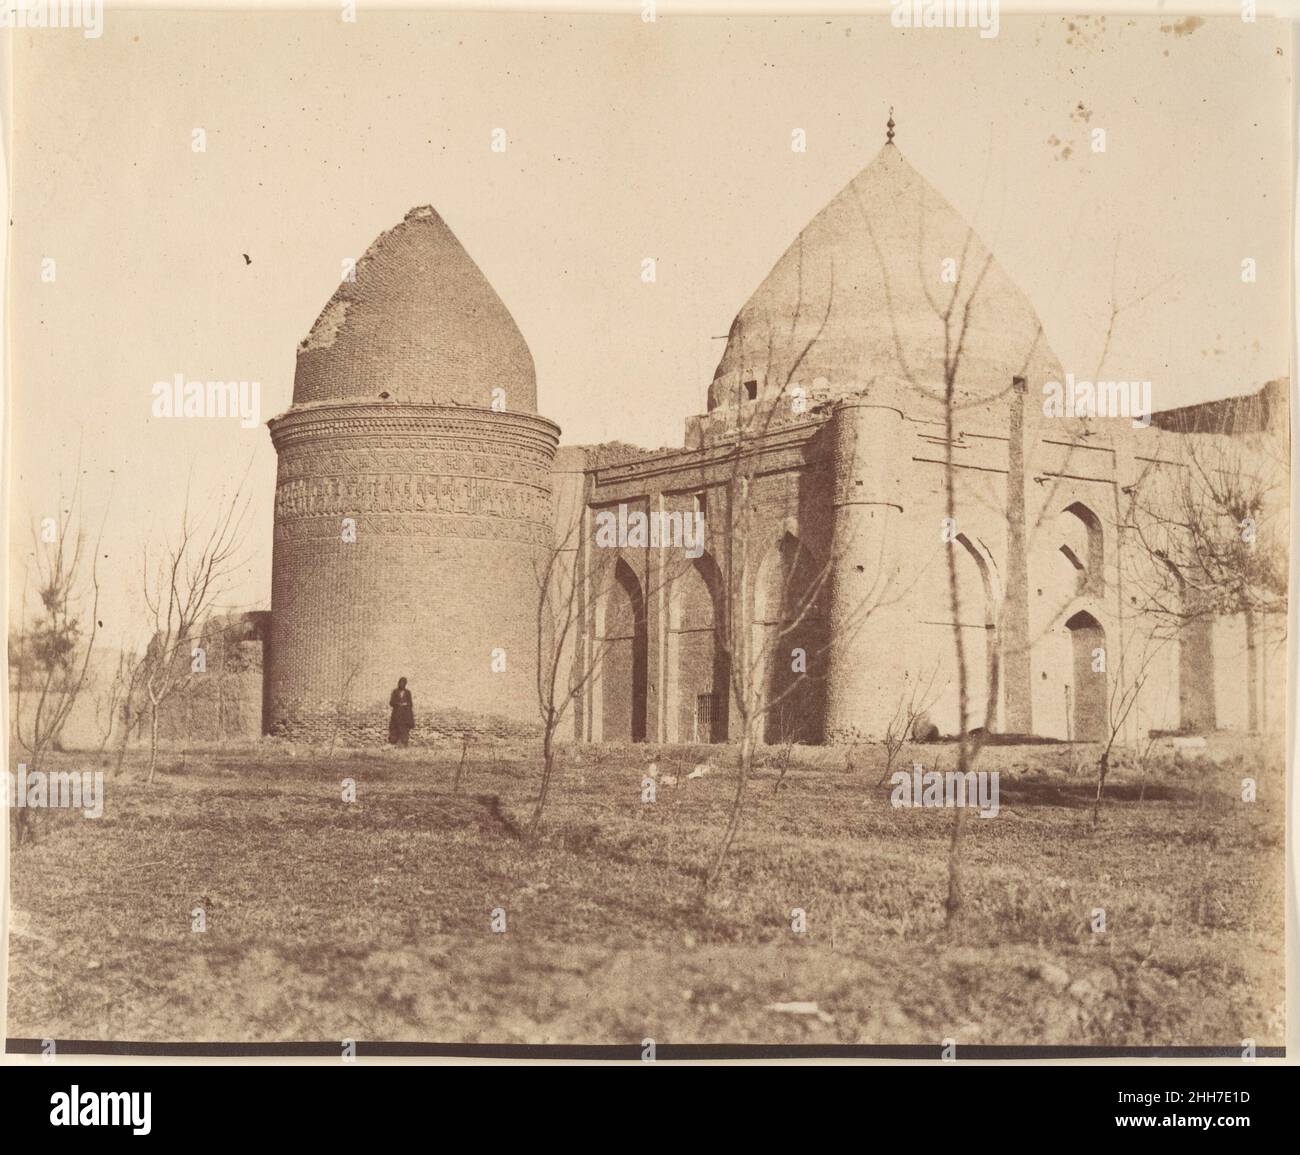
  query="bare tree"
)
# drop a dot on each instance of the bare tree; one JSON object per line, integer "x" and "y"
{"x": 967, "y": 750}
{"x": 54, "y": 646}
{"x": 784, "y": 755}
{"x": 568, "y": 663}
{"x": 1145, "y": 748}
{"x": 183, "y": 580}
{"x": 1123, "y": 696}
{"x": 134, "y": 707}
{"x": 109, "y": 706}
{"x": 460, "y": 766}
{"x": 749, "y": 658}
{"x": 1216, "y": 525}
{"x": 953, "y": 315}
{"x": 559, "y": 619}
{"x": 749, "y": 655}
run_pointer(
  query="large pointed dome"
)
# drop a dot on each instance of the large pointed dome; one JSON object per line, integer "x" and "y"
{"x": 420, "y": 323}
{"x": 857, "y": 298}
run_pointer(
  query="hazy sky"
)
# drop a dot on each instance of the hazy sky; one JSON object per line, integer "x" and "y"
{"x": 627, "y": 140}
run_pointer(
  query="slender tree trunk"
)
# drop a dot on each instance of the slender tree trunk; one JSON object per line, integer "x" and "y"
{"x": 464, "y": 750}
{"x": 548, "y": 769}
{"x": 1103, "y": 766}
{"x": 952, "y": 905}
{"x": 784, "y": 756}
{"x": 890, "y": 757}
{"x": 1263, "y": 671}
{"x": 153, "y": 740}
{"x": 1252, "y": 676}
{"x": 127, "y": 723}
{"x": 737, "y": 803}
{"x": 954, "y": 902}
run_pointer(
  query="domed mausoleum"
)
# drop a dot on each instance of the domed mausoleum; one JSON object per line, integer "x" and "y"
{"x": 857, "y": 295}
{"x": 836, "y": 380}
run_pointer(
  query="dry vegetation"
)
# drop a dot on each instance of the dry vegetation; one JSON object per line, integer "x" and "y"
{"x": 371, "y": 920}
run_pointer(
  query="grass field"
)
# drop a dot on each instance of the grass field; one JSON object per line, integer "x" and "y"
{"x": 329, "y": 920}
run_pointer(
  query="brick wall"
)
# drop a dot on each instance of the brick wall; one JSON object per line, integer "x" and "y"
{"x": 224, "y": 700}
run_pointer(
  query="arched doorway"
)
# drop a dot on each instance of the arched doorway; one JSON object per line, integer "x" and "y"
{"x": 1196, "y": 685}
{"x": 623, "y": 652}
{"x": 974, "y": 624}
{"x": 790, "y": 632}
{"x": 979, "y": 639}
{"x": 1088, "y": 694}
{"x": 698, "y": 659}
{"x": 1196, "y": 699}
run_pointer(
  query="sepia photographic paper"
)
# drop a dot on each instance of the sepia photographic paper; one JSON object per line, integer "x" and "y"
{"x": 648, "y": 533}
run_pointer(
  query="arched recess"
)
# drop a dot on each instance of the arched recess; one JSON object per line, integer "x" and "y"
{"x": 790, "y": 631}
{"x": 1088, "y": 695}
{"x": 699, "y": 662}
{"x": 1196, "y": 705}
{"x": 1083, "y": 548}
{"x": 1196, "y": 684}
{"x": 978, "y": 604}
{"x": 624, "y": 653}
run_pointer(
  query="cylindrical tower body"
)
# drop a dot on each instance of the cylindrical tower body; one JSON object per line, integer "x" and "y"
{"x": 408, "y": 543}
{"x": 868, "y": 617}
{"x": 413, "y": 509}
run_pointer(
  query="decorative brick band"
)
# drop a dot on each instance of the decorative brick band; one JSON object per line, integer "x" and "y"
{"x": 387, "y": 467}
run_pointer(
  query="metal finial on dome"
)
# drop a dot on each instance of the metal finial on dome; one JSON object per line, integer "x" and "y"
{"x": 889, "y": 126}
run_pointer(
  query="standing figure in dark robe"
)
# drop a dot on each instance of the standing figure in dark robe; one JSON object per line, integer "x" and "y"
{"x": 402, "y": 719}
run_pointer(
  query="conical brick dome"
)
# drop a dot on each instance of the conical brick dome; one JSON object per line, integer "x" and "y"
{"x": 419, "y": 323}
{"x": 854, "y": 299}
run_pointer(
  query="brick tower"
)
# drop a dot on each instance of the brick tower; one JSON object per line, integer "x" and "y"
{"x": 412, "y": 505}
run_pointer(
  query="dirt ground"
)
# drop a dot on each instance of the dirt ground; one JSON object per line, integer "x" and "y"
{"x": 374, "y": 919}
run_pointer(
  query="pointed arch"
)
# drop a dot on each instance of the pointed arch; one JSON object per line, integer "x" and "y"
{"x": 1089, "y": 695}
{"x": 790, "y": 630}
{"x": 1196, "y": 674}
{"x": 697, "y": 656}
{"x": 1084, "y": 547}
{"x": 979, "y": 618}
{"x": 624, "y": 657}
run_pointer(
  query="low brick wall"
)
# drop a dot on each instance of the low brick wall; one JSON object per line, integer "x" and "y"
{"x": 224, "y": 700}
